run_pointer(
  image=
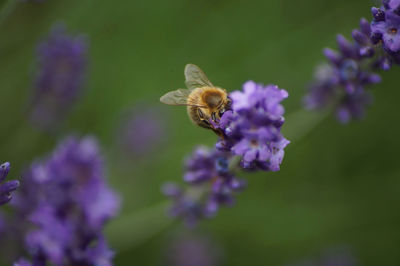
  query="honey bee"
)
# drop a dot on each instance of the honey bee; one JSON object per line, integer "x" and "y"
{"x": 205, "y": 102}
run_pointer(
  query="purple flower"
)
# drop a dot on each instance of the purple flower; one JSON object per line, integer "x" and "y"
{"x": 376, "y": 46}
{"x": 341, "y": 83}
{"x": 200, "y": 166}
{"x": 7, "y": 187}
{"x": 251, "y": 140}
{"x": 22, "y": 262}
{"x": 61, "y": 68}
{"x": 186, "y": 205}
{"x": 67, "y": 201}
{"x": 322, "y": 92}
{"x": 386, "y": 25}
{"x": 210, "y": 185}
{"x": 362, "y": 38}
{"x": 353, "y": 106}
{"x": 142, "y": 131}
{"x": 384, "y": 33}
{"x": 252, "y": 129}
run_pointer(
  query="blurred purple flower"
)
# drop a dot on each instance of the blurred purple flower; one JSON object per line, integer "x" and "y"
{"x": 142, "y": 131}
{"x": 342, "y": 84}
{"x": 386, "y": 25}
{"x": 67, "y": 200}
{"x": 211, "y": 185}
{"x": 252, "y": 128}
{"x": 186, "y": 204}
{"x": 22, "y": 262}
{"x": 7, "y": 187}
{"x": 61, "y": 68}
{"x": 193, "y": 250}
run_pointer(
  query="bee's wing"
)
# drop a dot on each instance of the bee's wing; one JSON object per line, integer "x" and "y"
{"x": 195, "y": 77}
{"x": 177, "y": 97}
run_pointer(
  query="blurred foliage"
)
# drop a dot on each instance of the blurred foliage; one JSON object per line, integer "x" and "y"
{"x": 338, "y": 185}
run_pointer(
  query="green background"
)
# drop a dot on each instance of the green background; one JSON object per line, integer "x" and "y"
{"x": 338, "y": 185}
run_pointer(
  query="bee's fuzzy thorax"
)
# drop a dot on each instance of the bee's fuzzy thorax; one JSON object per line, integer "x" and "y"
{"x": 212, "y": 96}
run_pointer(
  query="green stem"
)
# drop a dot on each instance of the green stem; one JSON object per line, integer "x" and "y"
{"x": 133, "y": 229}
{"x": 7, "y": 9}
{"x": 234, "y": 163}
{"x": 301, "y": 123}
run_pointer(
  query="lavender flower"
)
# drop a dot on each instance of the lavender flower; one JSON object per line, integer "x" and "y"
{"x": 67, "y": 201}
{"x": 252, "y": 128}
{"x": 211, "y": 185}
{"x": 342, "y": 84}
{"x": 251, "y": 137}
{"x": 61, "y": 68}
{"x": 385, "y": 27}
{"x": 7, "y": 187}
{"x": 186, "y": 205}
{"x": 22, "y": 262}
{"x": 142, "y": 131}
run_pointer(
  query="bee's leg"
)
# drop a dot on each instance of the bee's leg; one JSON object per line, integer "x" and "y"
{"x": 213, "y": 117}
{"x": 206, "y": 124}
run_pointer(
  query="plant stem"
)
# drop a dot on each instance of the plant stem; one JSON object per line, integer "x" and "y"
{"x": 234, "y": 163}
{"x": 133, "y": 229}
{"x": 301, "y": 123}
{"x": 7, "y": 9}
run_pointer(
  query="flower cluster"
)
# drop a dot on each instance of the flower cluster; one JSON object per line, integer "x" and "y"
{"x": 211, "y": 184}
{"x": 342, "y": 82}
{"x": 61, "y": 61}
{"x": 67, "y": 202}
{"x": 385, "y": 31}
{"x": 252, "y": 128}
{"x": 252, "y": 140}
{"x": 23, "y": 262}
{"x": 7, "y": 187}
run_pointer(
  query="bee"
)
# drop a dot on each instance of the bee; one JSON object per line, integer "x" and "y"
{"x": 205, "y": 102}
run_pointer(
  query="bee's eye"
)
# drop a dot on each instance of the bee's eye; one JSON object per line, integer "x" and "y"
{"x": 200, "y": 113}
